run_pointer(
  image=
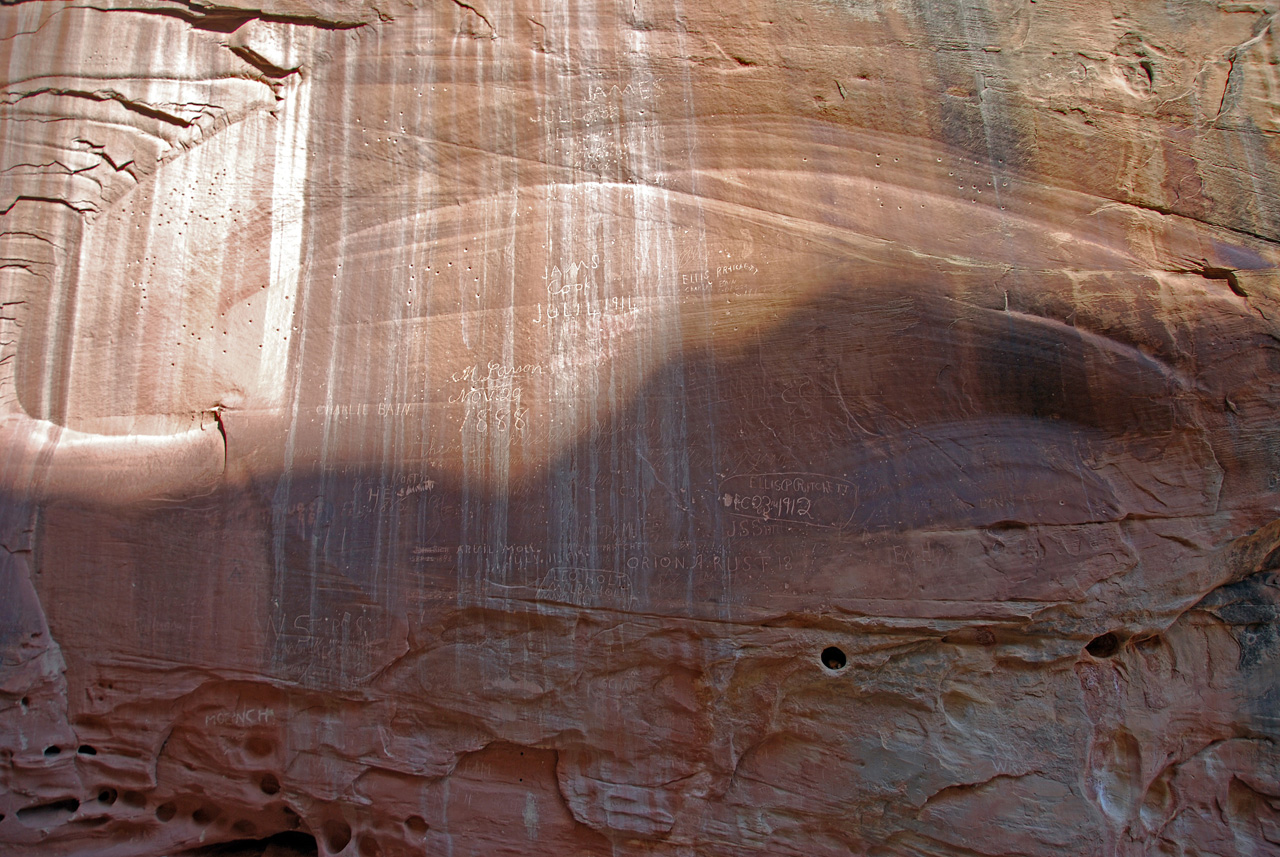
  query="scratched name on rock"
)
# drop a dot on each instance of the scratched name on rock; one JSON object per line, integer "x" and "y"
{"x": 587, "y": 587}
{"x": 241, "y": 718}
{"x": 605, "y": 103}
{"x": 706, "y": 279}
{"x": 361, "y": 410}
{"x": 573, "y": 277}
{"x": 742, "y": 277}
{"x": 493, "y": 370}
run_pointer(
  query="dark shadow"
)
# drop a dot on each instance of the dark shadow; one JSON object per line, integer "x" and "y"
{"x": 290, "y": 843}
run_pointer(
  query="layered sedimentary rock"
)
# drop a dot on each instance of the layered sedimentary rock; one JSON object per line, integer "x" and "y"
{"x": 638, "y": 427}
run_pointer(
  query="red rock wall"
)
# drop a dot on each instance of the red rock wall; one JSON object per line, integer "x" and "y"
{"x": 638, "y": 427}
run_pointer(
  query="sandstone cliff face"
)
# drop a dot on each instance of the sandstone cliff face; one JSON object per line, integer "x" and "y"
{"x": 638, "y": 427}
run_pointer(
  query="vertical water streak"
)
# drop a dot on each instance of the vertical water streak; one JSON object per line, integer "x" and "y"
{"x": 288, "y": 204}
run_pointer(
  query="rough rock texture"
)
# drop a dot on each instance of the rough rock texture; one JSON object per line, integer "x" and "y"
{"x": 639, "y": 427}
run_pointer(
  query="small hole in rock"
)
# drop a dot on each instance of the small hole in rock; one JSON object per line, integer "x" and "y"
{"x": 205, "y": 815}
{"x": 107, "y": 796}
{"x": 269, "y": 784}
{"x": 417, "y": 825}
{"x": 833, "y": 658}
{"x": 337, "y": 834}
{"x": 166, "y": 811}
{"x": 52, "y": 751}
{"x": 86, "y": 750}
{"x": 47, "y": 814}
{"x": 1104, "y": 646}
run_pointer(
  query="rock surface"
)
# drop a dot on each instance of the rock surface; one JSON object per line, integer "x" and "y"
{"x": 619, "y": 427}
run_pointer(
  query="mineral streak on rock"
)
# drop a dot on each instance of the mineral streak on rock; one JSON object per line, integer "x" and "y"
{"x": 635, "y": 427}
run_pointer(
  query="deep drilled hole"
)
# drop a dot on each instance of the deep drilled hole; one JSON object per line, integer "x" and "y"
{"x": 166, "y": 811}
{"x": 269, "y": 784}
{"x": 52, "y": 751}
{"x": 1104, "y": 646}
{"x": 86, "y": 750}
{"x": 833, "y": 658}
{"x": 107, "y": 796}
